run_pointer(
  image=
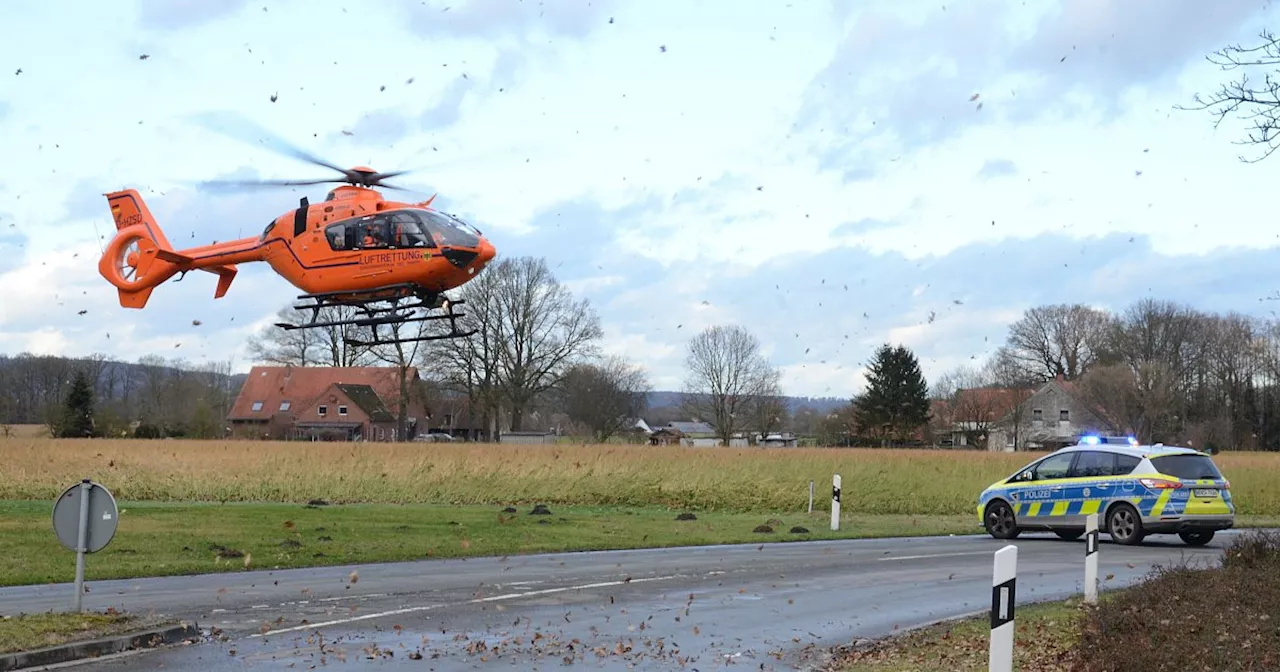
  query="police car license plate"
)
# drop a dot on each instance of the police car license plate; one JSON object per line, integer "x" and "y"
{"x": 1205, "y": 492}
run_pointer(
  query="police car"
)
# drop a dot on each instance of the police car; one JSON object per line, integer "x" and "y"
{"x": 1136, "y": 490}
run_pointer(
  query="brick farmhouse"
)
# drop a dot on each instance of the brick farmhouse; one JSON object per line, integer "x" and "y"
{"x": 326, "y": 403}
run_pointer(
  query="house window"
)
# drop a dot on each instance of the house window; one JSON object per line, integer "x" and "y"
{"x": 448, "y": 419}
{"x": 284, "y": 405}
{"x": 1037, "y": 415}
{"x": 257, "y": 406}
{"x": 322, "y": 410}
{"x": 1064, "y": 415}
{"x": 342, "y": 410}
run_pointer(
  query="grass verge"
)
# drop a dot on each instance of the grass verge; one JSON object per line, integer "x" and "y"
{"x": 1220, "y": 618}
{"x": 27, "y": 632}
{"x": 157, "y": 539}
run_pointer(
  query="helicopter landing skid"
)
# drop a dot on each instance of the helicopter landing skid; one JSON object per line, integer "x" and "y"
{"x": 375, "y": 315}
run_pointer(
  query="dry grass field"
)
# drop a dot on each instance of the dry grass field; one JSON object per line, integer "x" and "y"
{"x": 914, "y": 482}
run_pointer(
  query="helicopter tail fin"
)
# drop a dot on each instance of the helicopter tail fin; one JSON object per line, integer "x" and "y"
{"x": 128, "y": 209}
{"x": 140, "y": 257}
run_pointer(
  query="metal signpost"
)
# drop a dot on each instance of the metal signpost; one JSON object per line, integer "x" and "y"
{"x": 85, "y": 518}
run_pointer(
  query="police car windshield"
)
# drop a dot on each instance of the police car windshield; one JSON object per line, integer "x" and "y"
{"x": 1187, "y": 466}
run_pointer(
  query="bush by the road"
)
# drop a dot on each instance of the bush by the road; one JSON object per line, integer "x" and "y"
{"x": 1188, "y": 618}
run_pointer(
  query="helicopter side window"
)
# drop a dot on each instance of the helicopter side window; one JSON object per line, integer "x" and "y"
{"x": 344, "y": 235}
{"x": 371, "y": 232}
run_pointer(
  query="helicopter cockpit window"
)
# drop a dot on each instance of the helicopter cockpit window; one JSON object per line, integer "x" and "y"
{"x": 407, "y": 231}
{"x": 446, "y": 230}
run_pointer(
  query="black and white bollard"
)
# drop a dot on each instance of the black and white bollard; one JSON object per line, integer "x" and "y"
{"x": 1091, "y": 559}
{"x": 835, "y": 502}
{"x": 1003, "y": 595}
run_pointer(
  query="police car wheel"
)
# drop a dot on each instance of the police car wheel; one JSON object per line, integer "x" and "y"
{"x": 1124, "y": 525}
{"x": 999, "y": 521}
{"x": 1196, "y": 538}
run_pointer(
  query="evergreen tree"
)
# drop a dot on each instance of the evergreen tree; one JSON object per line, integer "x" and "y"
{"x": 896, "y": 401}
{"x": 77, "y": 415}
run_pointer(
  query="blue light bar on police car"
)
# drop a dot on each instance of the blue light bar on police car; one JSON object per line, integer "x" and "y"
{"x": 1091, "y": 440}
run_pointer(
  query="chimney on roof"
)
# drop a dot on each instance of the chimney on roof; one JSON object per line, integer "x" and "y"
{"x": 1058, "y": 378}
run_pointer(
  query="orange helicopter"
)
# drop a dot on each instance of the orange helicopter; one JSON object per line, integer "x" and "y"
{"x": 354, "y": 249}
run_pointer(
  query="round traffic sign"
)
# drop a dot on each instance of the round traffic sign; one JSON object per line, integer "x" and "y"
{"x": 103, "y": 517}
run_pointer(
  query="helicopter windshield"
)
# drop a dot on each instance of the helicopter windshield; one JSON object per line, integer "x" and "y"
{"x": 447, "y": 230}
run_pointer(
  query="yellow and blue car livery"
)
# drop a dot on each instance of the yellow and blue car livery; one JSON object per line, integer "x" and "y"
{"x": 1135, "y": 489}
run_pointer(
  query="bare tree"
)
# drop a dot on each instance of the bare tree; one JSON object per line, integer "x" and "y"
{"x": 1259, "y": 105}
{"x": 768, "y": 411}
{"x": 316, "y": 346}
{"x": 1060, "y": 340}
{"x": 604, "y": 396}
{"x": 724, "y": 373}
{"x": 529, "y": 331}
{"x": 296, "y": 347}
{"x": 1142, "y": 398}
{"x": 541, "y": 329}
{"x": 470, "y": 365}
{"x": 1003, "y": 370}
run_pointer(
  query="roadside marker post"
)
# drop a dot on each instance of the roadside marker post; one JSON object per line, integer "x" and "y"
{"x": 84, "y": 520}
{"x": 835, "y": 502}
{"x": 1091, "y": 559}
{"x": 1004, "y": 582}
{"x": 811, "y": 495}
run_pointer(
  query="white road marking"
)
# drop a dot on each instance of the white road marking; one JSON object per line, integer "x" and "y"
{"x": 351, "y": 597}
{"x": 492, "y": 598}
{"x": 932, "y": 555}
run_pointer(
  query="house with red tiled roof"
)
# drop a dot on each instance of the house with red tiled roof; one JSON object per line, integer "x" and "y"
{"x": 327, "y": 403}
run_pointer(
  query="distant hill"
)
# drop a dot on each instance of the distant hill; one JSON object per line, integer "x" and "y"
{"x": 667, "y": 399}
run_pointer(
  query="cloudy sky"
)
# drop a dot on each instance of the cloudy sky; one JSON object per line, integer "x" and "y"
{"x": 820, "y": 174}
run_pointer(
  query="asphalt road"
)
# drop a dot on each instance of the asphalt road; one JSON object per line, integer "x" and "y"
{"x": 771, "y": 606}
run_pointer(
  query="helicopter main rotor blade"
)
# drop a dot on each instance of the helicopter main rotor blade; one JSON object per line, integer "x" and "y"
{"x": 249, "y": 184}
{"x": 240, "y": 128}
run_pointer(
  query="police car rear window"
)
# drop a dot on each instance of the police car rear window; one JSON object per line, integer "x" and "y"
{"x": 1186, "y": 466}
